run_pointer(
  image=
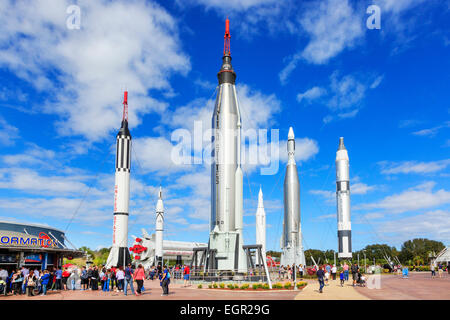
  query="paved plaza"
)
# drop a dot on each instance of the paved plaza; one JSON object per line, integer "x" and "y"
{"x": 418, "y": 286}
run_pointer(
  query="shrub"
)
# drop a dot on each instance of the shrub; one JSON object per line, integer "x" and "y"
{"x": 266, "y": 286}
{"x": 236, "y": 286}
{"x": 222, "y": 285}
{"x": 215, "y": 286}
{"x": 287, "y": 285}
{"x": 245, "y": 286}
{"x": 277, "y": 285}
{"x": 230, "y": 286}
{"x": 255, "y": 286}
{"x": 199, "y": 286}
{"x": 301, "y": 284}
{"x": 209, "y": 286}
{"x": 260, "y": 285}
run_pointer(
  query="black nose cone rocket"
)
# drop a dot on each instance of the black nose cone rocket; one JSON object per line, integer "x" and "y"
{"x": 119, "y": 254}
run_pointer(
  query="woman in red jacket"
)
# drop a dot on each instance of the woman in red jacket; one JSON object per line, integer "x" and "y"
{"x": 139, "y": 276}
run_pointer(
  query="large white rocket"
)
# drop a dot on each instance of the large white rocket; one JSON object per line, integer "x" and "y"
{"x": 291, "y": 240}
{"x": 226, "y": 173}
{"x": 261, "y": 226}
{"x": 159, "y": 228}
{"x": 343, "y": 202}
{"x": 119, "y": 254}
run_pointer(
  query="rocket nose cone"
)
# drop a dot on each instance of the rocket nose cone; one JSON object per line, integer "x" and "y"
{"x": 341, "y": 143}
{"x": 291, "y": 134}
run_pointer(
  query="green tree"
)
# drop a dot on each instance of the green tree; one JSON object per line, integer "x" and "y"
{"x": 420, "y": 247}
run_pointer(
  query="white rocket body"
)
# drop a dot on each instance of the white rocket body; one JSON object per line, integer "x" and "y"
{"x": 261, "y": 226}
{"x": 226, "y": 225}
{"x": 119, "y": 254}
{"x": 291, "y": 241}
{"x": 159, "y": 228}
{"x": 343, "y": 202}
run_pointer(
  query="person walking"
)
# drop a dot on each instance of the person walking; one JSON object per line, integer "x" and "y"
{"x": 45, "y": 278}
{"x": 440, "y": 270}
{"x": 120, "y": 275}
{"x": 433, "y": 270}
{"x": 84, "y": 279}
{"x": 128, "y": 279}
{"x": 139, "y": 276}
{"x": 320, "y": 276}
{"x": 186, "y": 273}
{"x": 345, "y": 268}
{"x": 354, "y": 270}
{"x": 300, "y": 270}
{"x": 95, "y": 278}
{"x": 58, "y": 278}
{"x": 165, "y": 280}
{"x": 327, "y": 273}
{"x": 334, "y": 271}
{"x": 342, "y": 278}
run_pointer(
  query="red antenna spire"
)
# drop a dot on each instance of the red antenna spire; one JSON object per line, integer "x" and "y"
{"x": 125, "y": 106}
{"x": 227, "y": 37}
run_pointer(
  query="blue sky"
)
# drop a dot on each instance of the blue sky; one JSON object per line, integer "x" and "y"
{"x": 312, "y": 65}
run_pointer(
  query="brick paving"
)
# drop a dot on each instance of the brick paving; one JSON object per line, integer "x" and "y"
{"x": 419, "y": 286}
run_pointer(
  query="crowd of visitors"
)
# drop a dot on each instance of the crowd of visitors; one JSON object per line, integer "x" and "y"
{"x": 325, "y": 271}
{"x": 96, "y": 278}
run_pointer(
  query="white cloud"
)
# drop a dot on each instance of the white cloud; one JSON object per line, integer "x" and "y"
{"x": 8, "y": 133}
{"x": 120, "y": 44}
{"x": 413, "y": 167}
{"x": 361, "y": 188}
{"x": 311, "y": 94}
{"x": 431, "y": 224}
{"x": 431, "y": 132}
{"x": 416, "y": 198}
{"x": 332, "y": 26}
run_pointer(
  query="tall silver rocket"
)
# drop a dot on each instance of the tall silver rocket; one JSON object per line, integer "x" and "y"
{"x": 119, "y": 254}
{"x": 343, "y": 202}
{"x": 159, "y": 228}
{"x": 291, "y": 241}
{"x": 226, "y": 173}
{"x": 261, "y": 226}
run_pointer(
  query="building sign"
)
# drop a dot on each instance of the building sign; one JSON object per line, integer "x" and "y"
{"x": 14, "y": 239}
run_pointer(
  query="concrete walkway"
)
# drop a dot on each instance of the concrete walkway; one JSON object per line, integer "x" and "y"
{"x": 333, "y": 291}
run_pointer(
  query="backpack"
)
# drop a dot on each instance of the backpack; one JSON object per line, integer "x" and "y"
{"x": 168, "y": 275}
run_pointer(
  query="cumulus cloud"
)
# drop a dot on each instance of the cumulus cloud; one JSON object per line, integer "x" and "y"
{"x": 120, "y": 44}
{"x": 331, "y": 26}
{"x": 406, "y": 167}
{"x": 416, "y": 198}
{"x": 431, "y": 224}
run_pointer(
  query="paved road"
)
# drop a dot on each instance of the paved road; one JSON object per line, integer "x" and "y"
{"x": 419, "y": 286}
{"x": 333, "y": 291}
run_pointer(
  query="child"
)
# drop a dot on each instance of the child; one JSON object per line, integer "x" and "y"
{"x": 341, "y": 277}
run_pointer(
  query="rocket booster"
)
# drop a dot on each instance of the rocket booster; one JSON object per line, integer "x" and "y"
{"x": 159, "y": 228}
{"x": 292, "y": 237}
{"x": 119, "y": 254}
{"x": 343, "y": 202}
{"x": 226, "y": 224}
{"x": 226, "y": 172}
{"x": 261, "y": 225}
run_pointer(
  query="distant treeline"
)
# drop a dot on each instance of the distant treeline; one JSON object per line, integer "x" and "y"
{"x": 413, "y": 252}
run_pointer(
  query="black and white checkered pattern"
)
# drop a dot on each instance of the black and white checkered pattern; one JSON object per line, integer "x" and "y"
{"x": 123, "y": 154}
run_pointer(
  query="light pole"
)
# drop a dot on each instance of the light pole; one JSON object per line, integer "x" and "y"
{"x": 295, "y": 259}
{"x": 365, "y": 261}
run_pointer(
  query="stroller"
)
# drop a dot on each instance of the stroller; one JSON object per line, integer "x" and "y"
{"x": 361, "y": 280}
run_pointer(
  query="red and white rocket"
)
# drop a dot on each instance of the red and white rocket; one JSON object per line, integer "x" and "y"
{"x": 119, "y": 254}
